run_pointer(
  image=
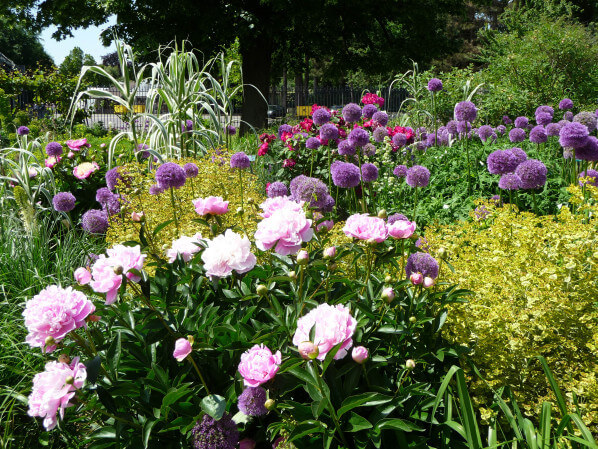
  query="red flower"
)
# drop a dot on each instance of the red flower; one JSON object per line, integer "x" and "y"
{"x": 288, "y": 163}
{"x": 263, "y": 149}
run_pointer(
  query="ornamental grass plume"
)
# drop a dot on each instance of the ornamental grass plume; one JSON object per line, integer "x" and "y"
{"x": 332, "y": 325}
{"x": 215, "y": 434}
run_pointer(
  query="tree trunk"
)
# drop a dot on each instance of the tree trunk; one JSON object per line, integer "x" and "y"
{"x": 257, "y": 58}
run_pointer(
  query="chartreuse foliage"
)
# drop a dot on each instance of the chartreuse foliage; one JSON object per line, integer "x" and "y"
{"x": 535, "y": 290}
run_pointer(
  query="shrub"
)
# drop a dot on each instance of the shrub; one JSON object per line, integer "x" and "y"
{"x": 535, "y": 288}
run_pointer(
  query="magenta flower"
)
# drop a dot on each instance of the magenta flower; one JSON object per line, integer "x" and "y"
{"x": 182, "y": 348}
{"x": 228, "y": 252}
{"x": 85, "y": 169}
{"x": 51, "y": 392}
{"x": 285, "y": 230}
{"x": 82, "y": 276}
{"x": 258, "y": 365}
{"x": 401, "y": 229}
{"x": 212, "y": 205}
{"x": 359, "y": 354}
{"x": 52, "y": 161}
{"x": 187, "y": 247}
{"x": 77, "y": 144}
{"x": 333, "y": 325}
{"x": 364, "y": 227}
{"x": 54, "y": 312}
{"x": 271, "y": 205}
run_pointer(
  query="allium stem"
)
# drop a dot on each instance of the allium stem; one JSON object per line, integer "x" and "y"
{"x": 435, "y": 123}
{"x": 415, "y": 204}
{"x": 535, "y": 202}
{"x": 241, "y": 185}
{"x": 176, "y": 221}
{"x": 468, "y": 168}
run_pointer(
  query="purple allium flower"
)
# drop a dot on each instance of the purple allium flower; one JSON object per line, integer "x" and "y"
{"x": 328, "y": 132}
{"x": 380, "y": 133}
{"x": 155, "y": 190}
{"x": 486, "y": 132}
{"x": 395, "y": 217}
{"x": 327, "y": 204}
{"x": 451, "y": 127}
{"x": 553, "y": 129}
{"x": 506, "y": 120}
{"x": 465, "y": 111}
{"x": 568, "y": 115}
{"x": 573, "y": 135}
{"x": 277, "y": 188}
{"x": 252, "y": 400}
{"x": 519, "y": 154}
{"x": 566, "y": 103}
{"x": 502, "y": 161}
{"x": 189, "y": 125}
{"x": 521, "y": 122}
{"x": 538, "y": 134}
{"x": 500, "y": 129}
{"x": 320, "y": 116}
{"x": 369, "y": 172}
{"x": 359, "y": 137}
{"x": 434, "y": 85}
{"x": 421, "y": 145}
{"x": 95, "y": 221}
{"x": 543, "y": 118}
{"x": 399, "y": 139}
{"x": 53, "y": 149}
{"x": 509, "y": 181}
{"x": 422, "y": 263}
{"x": 352, "y": 113}
{"x": 231, "y": 130}
{"x": 103, "y": 195}
{"x": 63, "y": 202}
{"x": 590, "y": 174}
{"x": 463, "y": 127}
{"x": 545, "y": 109}
{"x": 191, "y": 170}
{"x": 369, "y": 110}
{"x": 170, "y": 175}
{"x": 381, "y": 118}
{"x": 311, "y": 190}
{"x": 418, "y": 176}
{"x": 116, "y": 174}
{"x": 211, "y": 434}
{"x": 346, "y": 147}
{"x": 284, "y": 129}
{"x": 532, "y": 174}
{"x": 239, "y": 160}
{"x": 22, "y": 131}
{"x": 313, "y": 143}
{"x": 345, "y": 174}
{"x": 369, "y": 149}
{"x": 400, "y": 171}
{"x": 588, "y": 119}
{"x": 112, "y": 206}
{"x": 517, "y": 135}
{"x": 588, "y": 152}
{"x": 568, "y": 153}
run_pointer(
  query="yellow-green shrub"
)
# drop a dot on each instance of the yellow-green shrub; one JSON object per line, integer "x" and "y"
{"x": 535, "y": 284}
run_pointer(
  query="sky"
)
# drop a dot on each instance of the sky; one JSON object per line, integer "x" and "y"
{"x": 87, "y": 39}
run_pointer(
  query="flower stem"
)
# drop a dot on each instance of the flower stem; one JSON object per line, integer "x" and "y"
{"x": 176, "y": 221}
{"x": 190, "y": 358}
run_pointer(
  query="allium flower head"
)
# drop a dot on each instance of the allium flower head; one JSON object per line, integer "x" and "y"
{"x": 345, "y": 174}
{"x": 359, "y": 137}
{"x": 170, "y": 175}
{"x": 227, "y": 252}
{"x": 538, "y": 134}
{"x": 313, "y": 143}
{"x": 589, "y": 152}
{"x": 532, "y": 174}
{"x": 328, "y": 132}
{"x": 520, "y": 155}
{"x": 321, "y": 116}
{"x": 117, "y": 176}
{"x": 22, "y": 131}
{"x": 380, "y": 133}
{"x": 369, "y": 172}
{"x": 517, "y": 135}
{"x": 422, "y": 263}
{"x": 392, "y": 219}
{"x": 463, "y": 127}
{"x": 573, "y": 135}
{"x": 506, "y": 120}
{"x": 381, "y": 118}
{"x": 434, "y": 85}
{"x": 332, "y": 325}
{"x": 368, "y": 111}
{"x": 63, "y": 202}
{"x": 155, "y": 190}
{"x": 258, "y": 365}
{"x": 521, "y": 122}
{"x": 95, "y": 221}
{"x": 240, "y": 160}
{"x": 451, "y": 127}
{"x": 277, "y": 188}
{"x": 589, "y": 174}
{"x": 500, "y": 129}
{"x": 544, "y": 109}
{"x": 191, "y": 170}
{"x": 310, "y": 190}
{"x": 509, "y": 181}
{"x": 284, "y": 129}
{"x": 252, "y": 400}
{"x": 588, "y": 119}
{"x": 466, "y": 111}
{"x": 418, "y": 176}
{"x": 346, "y": 148}
{"x": 54, "y": 312}
{"x": 352, "y": 113}
{"x": 568, "y": 115}
{"x": 364, "y": 227}
{"x": 565, "y": 103}
{"x": 211, "y": 434}
{"x": 553, "y": 129}
{"x": 184, "y": 246}
{"x": 54, "y": 149}
{"x": 231, "y": 130}
{"x": 486, "y": 132}
{"x": 543, "y": 118}
{"x": 399, "y": 139}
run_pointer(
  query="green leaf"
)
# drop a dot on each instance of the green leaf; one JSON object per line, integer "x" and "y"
{"x": 470, "y": 424}
{"x": 214, "y": 406}
{"x": 362, "y": 400}
{"x": 306, "y": 428}
{"x": 174, "y": 395}
{"x": 161, "y": 226}
{"x": 396, "y": 424}
{"x": 93, "y": 368}
{"x": 357, "y": 423}
{"x": 147, "y": 430}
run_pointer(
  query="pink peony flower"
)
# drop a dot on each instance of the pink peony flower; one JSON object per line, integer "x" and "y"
{"x": 333, "y": 325}
{"x": 401, "y": 229}
{"x": 70, "y": 155}
{"x": 280, "y": 202}
{"x": 416, "y": 278}
{"x": 185, "y": 246}
{"x": 212, "y": 205}
{"x": 182, "y": 348}
{"x": 258, "y": 365}
{"x": 52, "y": 161}
{"x": 32, "y": 172}
{"x": 54, "y": 388}
{"x": 330, "y": 252}
{"x": 428, "y": 282}
{"x": 308, "y": 350}
{"x": 360, "y": 354}
{"x": 82, "y": 276}
{"x": 364, "y": 227}
{"x": 325, "y": 225}
{"x": 228, "y": 252}
{"x": 77, "y": 144}
{"x": 128, "y": 257}
{"x": 85, "y": 169}
{"x": 285, "y": 230}
{"x": 54, "y": 312}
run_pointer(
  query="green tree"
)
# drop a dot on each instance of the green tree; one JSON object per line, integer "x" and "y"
{"x": 71, "y": 66}
{"x": 21, "y": 45}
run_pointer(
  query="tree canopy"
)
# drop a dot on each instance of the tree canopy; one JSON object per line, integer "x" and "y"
{"x": 21, "y": 45}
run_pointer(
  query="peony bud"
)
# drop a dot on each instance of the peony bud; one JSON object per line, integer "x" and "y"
{"x": 70, "y": 155}
{"x": 388, "y": 294}
{"x": 383, "y": 214}
{"x": 262, "y": 290}
{"x": 137, "y": 217}
{"x": 428, "y": 282}
{"x": 308, "y": 350}
{"x": 191, "y": 339}
{"x": 388, "y": 279}
{"x": 49, "y": 341}
{"x": 270, "y": 404}
{"x": 94, "y": 318}
{"x": 412, "y": 319}
{"x": 82, "y": 276}
{"x": 247, "y": 443}
{"x": 441, "y": 252}
{"x": 293, "y": 275}
{"x": 102, "y": 145}
{"x": 182, "y": 348}
{"x": 410, "y": 364}
{"x": 63, "y": 358}
{"x": 360, "y": 354}
{"x": 330, "y": 252}
{"x": 118, "y": 270}
{"x": 70, "y": 380}
{"x": 302, "y": 257}
{"x": 416, "y": 278}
